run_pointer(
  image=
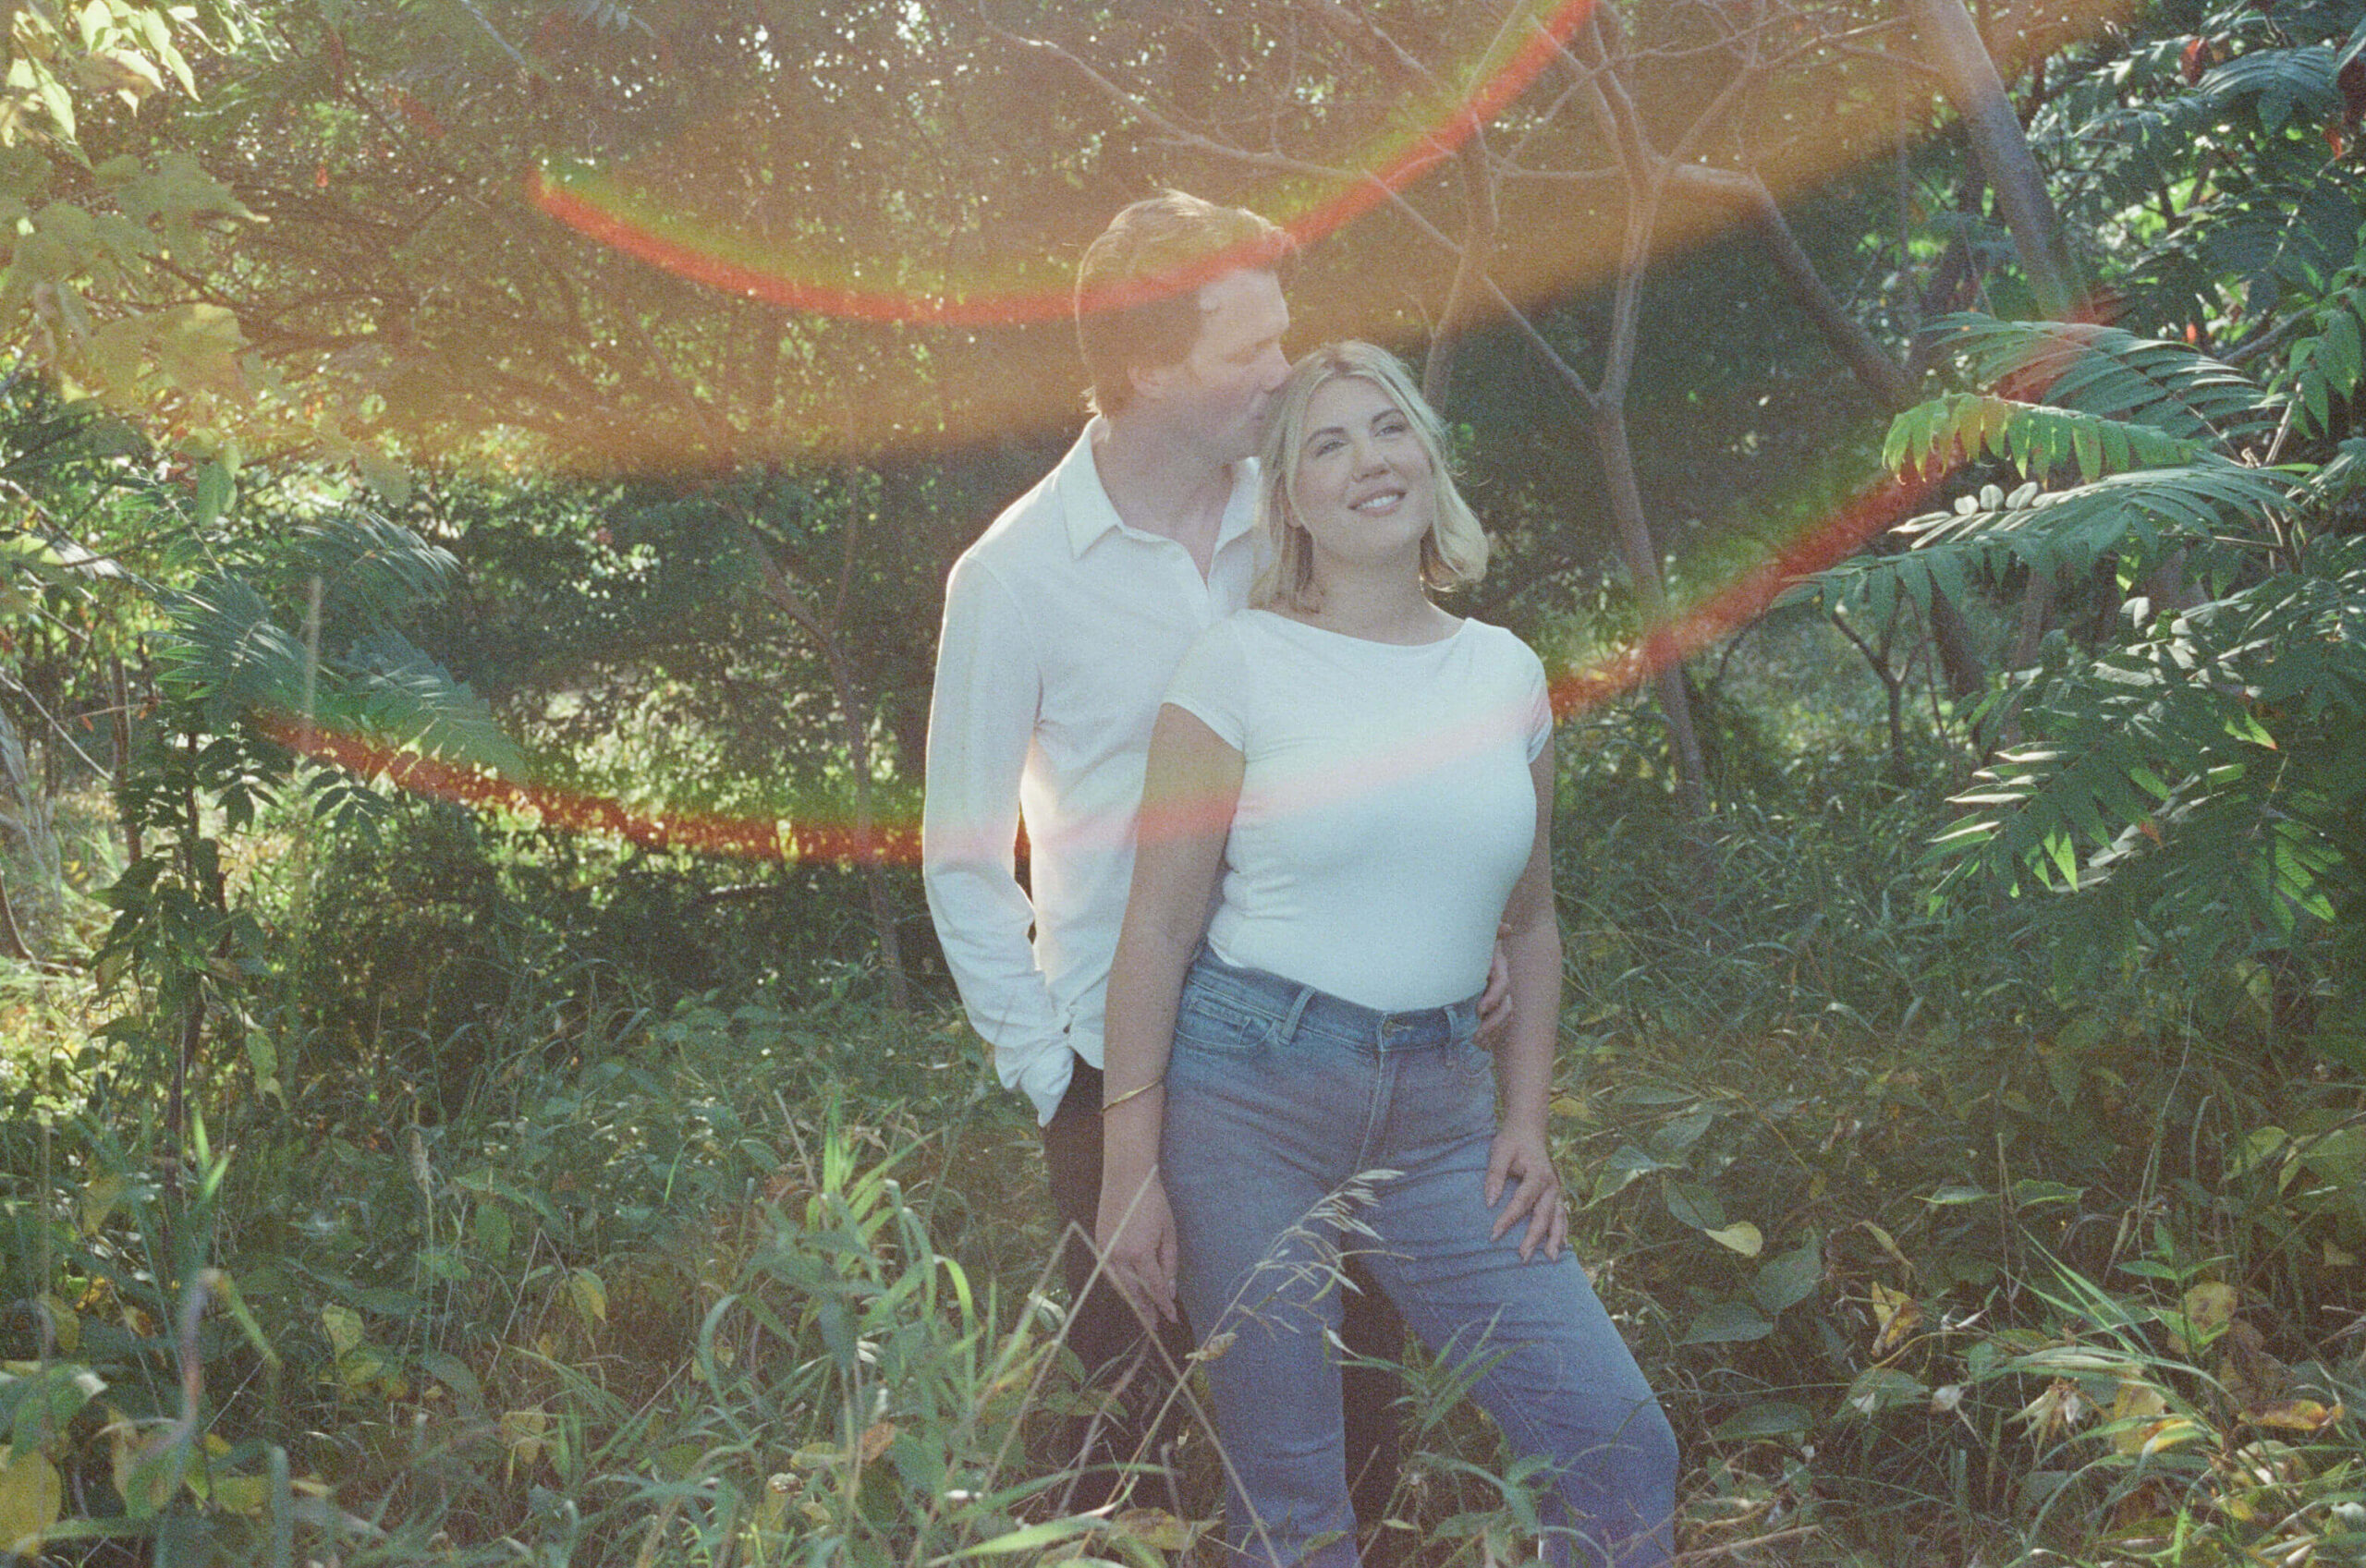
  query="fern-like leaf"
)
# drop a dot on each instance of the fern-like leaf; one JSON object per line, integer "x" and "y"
{"x": 2098, "y": 370}
{"x": 2329, "y": 365}
{"x": 371, "y": 570}
{"x": 2037, "y": 439}
{"x": 2210, "y": 775}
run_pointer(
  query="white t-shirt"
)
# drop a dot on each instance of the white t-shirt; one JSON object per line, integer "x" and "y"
{"x": 1386, "y": 803}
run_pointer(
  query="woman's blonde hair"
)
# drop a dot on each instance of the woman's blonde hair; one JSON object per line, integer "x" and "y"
{"x": 1454, "y": 551}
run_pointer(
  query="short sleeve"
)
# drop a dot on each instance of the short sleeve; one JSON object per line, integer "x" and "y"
{"x": 1212, "y": 684}
{"x": 1539, "y": 703}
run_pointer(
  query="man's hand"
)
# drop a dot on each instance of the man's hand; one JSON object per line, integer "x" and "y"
{"x": 1136, "y": 1235}
{"x": 1495, "y": 1008}
{"x": 1517, "y": 1160}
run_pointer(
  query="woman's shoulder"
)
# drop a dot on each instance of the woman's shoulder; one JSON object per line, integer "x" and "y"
{"x": 1500, "y": 643}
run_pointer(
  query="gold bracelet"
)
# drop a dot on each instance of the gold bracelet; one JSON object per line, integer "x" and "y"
{"x": 1109, "y": 1105}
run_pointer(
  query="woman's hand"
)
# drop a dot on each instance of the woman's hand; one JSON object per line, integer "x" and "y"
{"x": 1495, "y": 1009}
{"x": 1136, "y": 1233}
{"x": 1517, "y": 1161}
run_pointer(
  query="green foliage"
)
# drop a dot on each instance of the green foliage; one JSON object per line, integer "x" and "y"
{"x": 505, "y": 1195}
{"x": 2102, "y": 370}
{"x": 2211, "y": 771}
{"x": 2182, "y": 776}
{"x": 1964, "y": 427}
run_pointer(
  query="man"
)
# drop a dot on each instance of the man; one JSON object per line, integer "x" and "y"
{"x": 1063, "y": 624}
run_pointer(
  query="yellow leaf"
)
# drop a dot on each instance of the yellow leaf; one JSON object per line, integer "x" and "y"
{"x": 142, "y": 1474}
{"x": 358, "y": 1370}
{"x": 97, "y": 1201}
{"x": 2205, "y": 1310}
{"x": 2129, "y": 1409}
{"x": 522, "y": 1433}
{"x": 2167, "y": 1432}
{"x": 343, "y": 1325}
{"x": 1740, "y": 1236}
{"x": 2339, "y": 1256}
{"x": 1156, "y": 1527}
{"x": 242, "y": 1494}
{"x": 1896, "y": 1315}
{"x": 2294, "y": 1415}
{"x": 590, "y": 1295}
{"x": 875, "y": 1439}
{"x": 65, "y": 1324}
{"x": 31, "y": 1497}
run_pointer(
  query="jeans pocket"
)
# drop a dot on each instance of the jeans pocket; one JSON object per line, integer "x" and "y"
{"x": 1212, "y": 1024}
{"x": 1473, "y": 1064}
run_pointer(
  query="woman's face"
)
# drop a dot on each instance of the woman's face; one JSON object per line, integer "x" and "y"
{"x": 1364, "y": 488}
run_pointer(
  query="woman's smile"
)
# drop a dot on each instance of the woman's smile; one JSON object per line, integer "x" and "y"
{"x": 1363, "y": 464}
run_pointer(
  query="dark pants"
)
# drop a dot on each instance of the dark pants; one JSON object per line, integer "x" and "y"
{"x": 1140, "y": 1423}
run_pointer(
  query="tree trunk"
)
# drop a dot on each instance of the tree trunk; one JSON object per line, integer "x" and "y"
{"x": 854, "y": 719}
{"x": 1998, "y": 145}
{"x": 2002, "y": 152}
{"x": 1660, "y": 651}
{"x": 1473, "y": 259}
{"x": 12, "y": 942}
{"x": 854, "y": 716}
{"x": 1889, "y": 384}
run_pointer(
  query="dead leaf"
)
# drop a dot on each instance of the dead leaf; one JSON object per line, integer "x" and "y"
{"x": 1215, "y": 1346}
{"x": 1156, "y": 1527}
{"x": 31, "y": 1497}
{"x": 2294, "y": 1415}
{"x": 2205, "y": 1310}
{"x": 1895, "y": 1315}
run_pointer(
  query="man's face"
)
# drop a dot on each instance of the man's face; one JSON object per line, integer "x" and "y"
{"x": 1214, "y": 397}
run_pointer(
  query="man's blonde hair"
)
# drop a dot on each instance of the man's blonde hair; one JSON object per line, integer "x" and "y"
{"x": 1138, "y": 286}
{"x": 1454, "y": 553}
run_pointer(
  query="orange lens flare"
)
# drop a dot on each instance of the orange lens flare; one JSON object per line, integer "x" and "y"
{"x": 897, "y": 841}
{"x": 746, "y": 838}
{"x": 608, "y": 209}
{"x": 612, "y": 210}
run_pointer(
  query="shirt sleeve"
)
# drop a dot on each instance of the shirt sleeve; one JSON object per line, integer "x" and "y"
{"x": 1212, "y": 684}
{"x": 1540, "y": 704}
{"x": 981, "y": 723}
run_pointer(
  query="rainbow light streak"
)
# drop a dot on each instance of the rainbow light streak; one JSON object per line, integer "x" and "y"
{"x": 608, "y": 209}
{"x": 898, "y": 842}
{"x": 746, "y": 838}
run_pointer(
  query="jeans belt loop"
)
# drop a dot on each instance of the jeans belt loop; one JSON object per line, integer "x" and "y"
{"x": 1289, "y": 1030}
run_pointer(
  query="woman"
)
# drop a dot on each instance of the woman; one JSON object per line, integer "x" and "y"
{"x": 1362, "y": 784}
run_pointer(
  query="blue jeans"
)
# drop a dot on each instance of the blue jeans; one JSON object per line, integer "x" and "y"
{"x": 1299, "y": 1125}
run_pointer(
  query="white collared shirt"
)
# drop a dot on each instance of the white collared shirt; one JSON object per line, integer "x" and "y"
{"x": 1062, "y": 628}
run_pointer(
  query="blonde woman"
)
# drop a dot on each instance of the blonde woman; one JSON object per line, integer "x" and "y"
{"x": 1359, "y": 784}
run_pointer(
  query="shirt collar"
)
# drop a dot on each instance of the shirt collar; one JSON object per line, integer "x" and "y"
{"x": 1090, "y": 514}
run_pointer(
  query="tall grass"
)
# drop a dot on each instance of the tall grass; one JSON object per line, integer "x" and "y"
{"x": 533, "y": 1256}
